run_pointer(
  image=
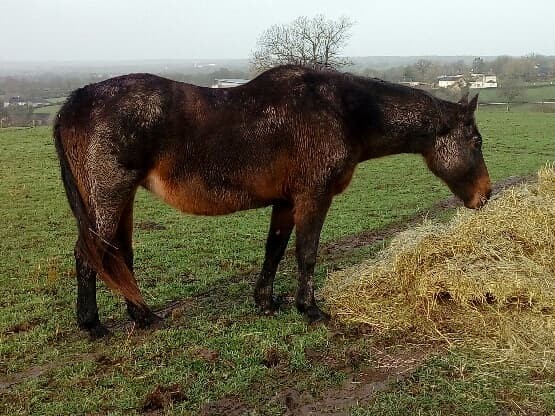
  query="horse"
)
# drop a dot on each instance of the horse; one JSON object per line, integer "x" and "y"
{"x": 291, "y": 138}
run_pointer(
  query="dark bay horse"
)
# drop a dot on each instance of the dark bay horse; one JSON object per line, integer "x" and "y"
{"x": 291, "y": 138}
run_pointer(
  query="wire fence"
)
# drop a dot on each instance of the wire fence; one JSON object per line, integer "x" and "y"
{"x": 547, "y": 106}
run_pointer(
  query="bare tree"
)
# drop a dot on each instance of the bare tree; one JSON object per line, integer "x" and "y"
{"x": 422, "y": 66}
{"x": 510, "y": 90}
{"x": 521, "y": 69}
{"x": 478, "y": 66}
{"x": 316, "y": 42}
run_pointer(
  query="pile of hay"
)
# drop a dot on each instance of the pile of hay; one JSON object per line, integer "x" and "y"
{"x": 486, "y": 276}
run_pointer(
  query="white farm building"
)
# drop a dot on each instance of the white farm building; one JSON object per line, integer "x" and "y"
{"x": 446, "y": 81}
{"x": 483, "y": 81}
{"x": 229, "y": 82}
{"x": 477, "y": 81}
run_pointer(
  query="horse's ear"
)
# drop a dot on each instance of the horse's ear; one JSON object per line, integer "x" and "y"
{"x": 473, "y": 104}
{"x": 464, "y": 99}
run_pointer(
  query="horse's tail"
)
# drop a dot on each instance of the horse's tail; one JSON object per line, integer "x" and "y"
{"x": 99, "y": 254}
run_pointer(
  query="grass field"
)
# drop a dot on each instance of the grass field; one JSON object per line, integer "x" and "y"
{"x": 216, "y": 353}
{"x": 530, "y": 94}
{"x": 51, "y": 110}
{"x": 56, "y": 100}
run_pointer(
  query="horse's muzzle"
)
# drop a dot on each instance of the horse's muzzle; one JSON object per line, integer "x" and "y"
{"x": 479, "y": 199}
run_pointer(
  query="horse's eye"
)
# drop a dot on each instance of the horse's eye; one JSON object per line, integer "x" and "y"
{"x": 477, "y": 142}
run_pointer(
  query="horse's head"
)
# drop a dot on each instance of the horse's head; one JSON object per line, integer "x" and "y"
{"x": 455, "y": 155}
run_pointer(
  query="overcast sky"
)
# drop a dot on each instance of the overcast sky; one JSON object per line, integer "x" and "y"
{"x": 55, "y": 30}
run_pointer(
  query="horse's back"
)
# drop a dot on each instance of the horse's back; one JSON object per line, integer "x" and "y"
{"x": 208, "y": 151}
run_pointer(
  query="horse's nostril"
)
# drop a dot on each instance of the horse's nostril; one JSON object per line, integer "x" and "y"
{"x": 488, "y": 193}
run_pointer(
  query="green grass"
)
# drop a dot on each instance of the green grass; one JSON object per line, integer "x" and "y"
{"x": 211, "y": 263}
{"x": 53, "y": 109}
{"x": 56, "y": 100}
{"x": 459, "y": 384}
{"x": 49, "y": 109}
{"x": 530, "y": 94}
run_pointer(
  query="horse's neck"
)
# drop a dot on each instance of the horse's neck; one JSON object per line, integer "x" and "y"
{"x": 379, "y": 146}
{"x": 399, "y": 123}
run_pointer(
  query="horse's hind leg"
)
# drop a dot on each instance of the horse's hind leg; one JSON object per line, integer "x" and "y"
{"x": 112, "y": 203}
{"x": 142, "y": 316}
{"x": 86, "y": 308}
{"x": 281, "y": 226}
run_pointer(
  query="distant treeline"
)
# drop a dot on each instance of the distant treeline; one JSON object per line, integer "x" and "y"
{"x": 47, "y": 85}
{"x": 30, "y": 87}
{"x": 529, "y": 68}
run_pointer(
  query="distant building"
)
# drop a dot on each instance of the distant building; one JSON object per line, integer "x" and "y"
{"x": 38, "y": 102}
{"x": 15, "y": 101}
{"x": 411, "y": 83}
{"x": 202, "y": 65}
{"x": 477, "y": 81}
{"x": 229, "y": 82}
{"x": 18, "y": 101}
{"x": 484, "y": 81}
{"x": 446, "y": 81}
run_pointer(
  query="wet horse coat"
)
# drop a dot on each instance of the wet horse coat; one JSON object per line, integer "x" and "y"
{"x": 291, "y": 138}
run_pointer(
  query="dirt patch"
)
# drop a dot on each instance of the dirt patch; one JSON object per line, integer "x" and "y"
{"x": 272, "y": 357}
{"x": 325, "y": 357}
{"x": 359, "y": 389}
{"x": 354, "y": 357}
{"x": 204, "y": 354}
{"x": 23, "y": 327}
{"x": 161, "y": 398}
{"x": 150, "y": 226}
{"x": 37, "y": 371}
{"x": 105, "y": 361}
{"x": 367, "y": 375}
{"x": 230, "y": 405}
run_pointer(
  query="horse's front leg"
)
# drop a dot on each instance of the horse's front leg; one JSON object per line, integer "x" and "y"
{"x": 281, "y": 226}
{"x": 309, "y": 219}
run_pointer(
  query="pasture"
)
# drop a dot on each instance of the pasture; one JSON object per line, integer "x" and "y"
{"x": 51, "y": 110}
{"x": 529, "y": 93}
{"x": 216, "y": 355}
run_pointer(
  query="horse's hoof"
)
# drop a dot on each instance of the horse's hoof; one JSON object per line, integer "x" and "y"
{"x": 144, "y": 317}
{"x": 270, "y": 307}
{"x": 97, "y": 331}
{"x": 316, "y": 316}
{"x": 149, "y": 320}
{"x": 158, "y": 323}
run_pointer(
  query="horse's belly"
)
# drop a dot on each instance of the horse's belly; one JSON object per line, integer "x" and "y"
{"x": 192, "y": 196}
